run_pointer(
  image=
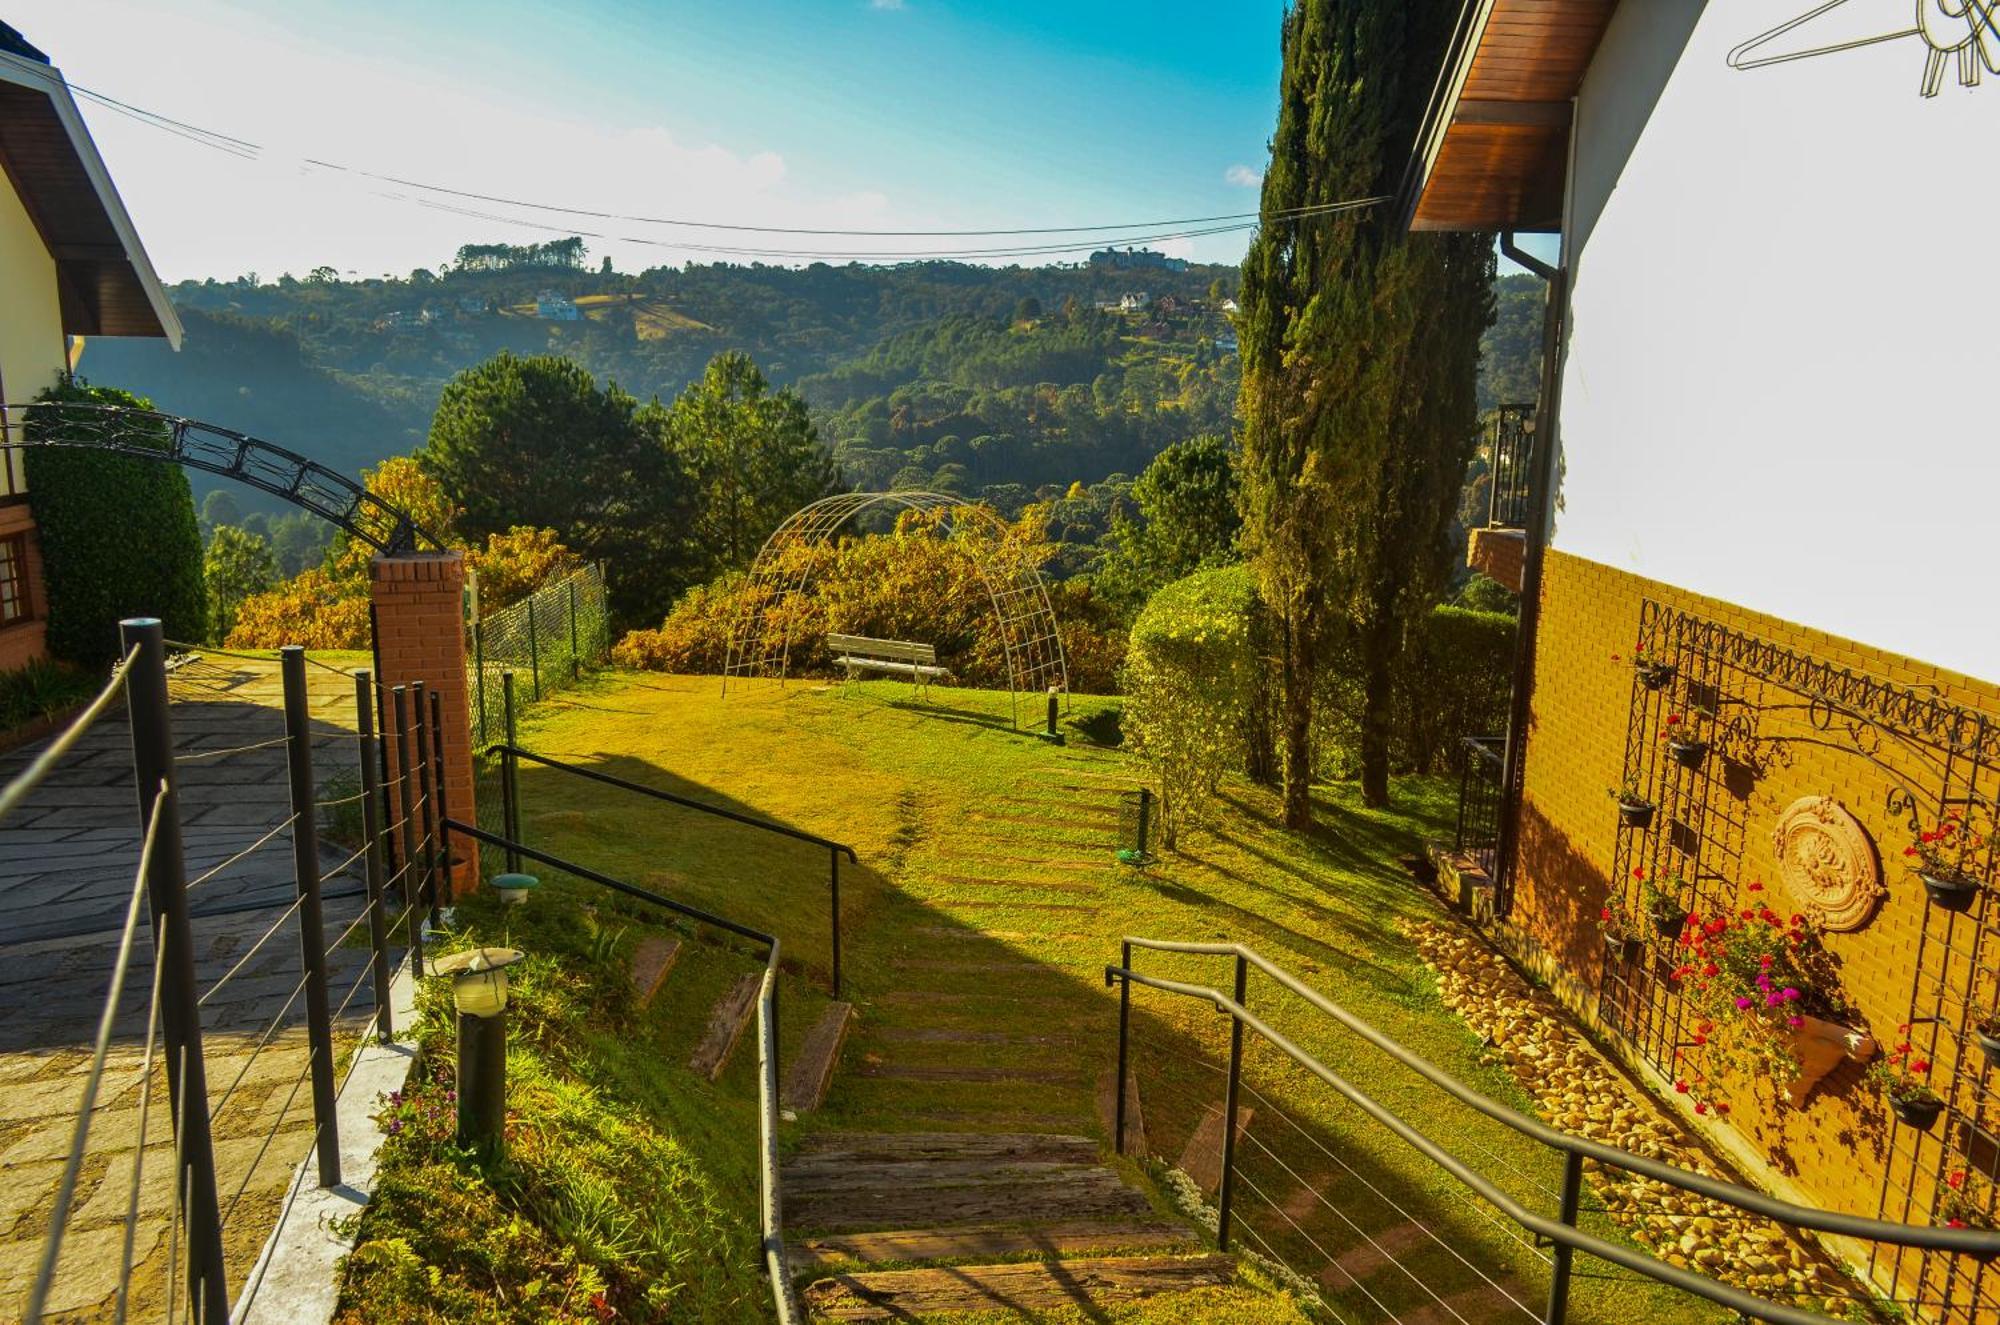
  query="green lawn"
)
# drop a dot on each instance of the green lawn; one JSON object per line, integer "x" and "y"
{"x": 978, "y": 925}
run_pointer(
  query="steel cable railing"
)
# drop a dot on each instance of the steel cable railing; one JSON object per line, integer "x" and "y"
{"x": 1561, "y": 1233}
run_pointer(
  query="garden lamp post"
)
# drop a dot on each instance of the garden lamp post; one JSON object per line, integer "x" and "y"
{"x": 479, "y": 992}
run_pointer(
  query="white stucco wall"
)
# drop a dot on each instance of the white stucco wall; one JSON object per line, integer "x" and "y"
{"x": 31, "y": 338}
{"x": 1782, "y": 377}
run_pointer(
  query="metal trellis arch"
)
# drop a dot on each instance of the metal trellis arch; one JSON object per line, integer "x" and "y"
{"x": 303, "y": 482}
{"x": 760, "y": 642}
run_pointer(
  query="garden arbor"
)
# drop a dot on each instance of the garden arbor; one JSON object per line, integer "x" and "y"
{"x": 761, "y": 639}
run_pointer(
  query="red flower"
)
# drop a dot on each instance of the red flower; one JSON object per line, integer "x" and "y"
{"x": 1757, "y": 887}
{"x": 1711, "y": 970}
{"x": 1956, "y": 1179}
{"x": 1921, "y": 1065}
{"x": 1909, "y": 851}
{"x": 1674, "y": 719}
{"x": 1722, "y": 1108}
{"x": 1954, "y": 1223}
{"x": 1681, "y": 1087}
{"x": 1604, "y": 913}
{"x": 1638, "y": 871}
{"x": 1700, "y": 1107}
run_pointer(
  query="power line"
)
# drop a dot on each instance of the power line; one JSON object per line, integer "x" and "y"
{"x": 1185, "y": 227}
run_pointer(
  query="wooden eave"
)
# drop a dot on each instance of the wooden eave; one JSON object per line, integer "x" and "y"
{"x": 1494, "y": 150}
{"x": 105, "y": 283}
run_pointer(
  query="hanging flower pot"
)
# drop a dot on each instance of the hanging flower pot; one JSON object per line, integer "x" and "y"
{"x": 1687, "y": 752}
{"x": 1950, "y": 892}
{"x": 1635, "y": 814}
{"x": 1919, "y": 1111}
{"x": 1653, "y": 675}
{"x": 1989, "y": 1042}
{"x": 1623, "y": 949}
{"x": 1668, "y": 917}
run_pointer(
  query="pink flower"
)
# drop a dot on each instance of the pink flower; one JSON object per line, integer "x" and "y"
{"x": 1743, "y": 1003}
{"x": 1795, "y": 1022}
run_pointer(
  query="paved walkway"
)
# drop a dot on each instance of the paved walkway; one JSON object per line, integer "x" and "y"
{"x": 67, "y": 863}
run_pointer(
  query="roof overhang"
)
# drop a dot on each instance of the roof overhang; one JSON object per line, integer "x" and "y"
{"x": 1494, "y": 150}
{"x": 105, "y": 281}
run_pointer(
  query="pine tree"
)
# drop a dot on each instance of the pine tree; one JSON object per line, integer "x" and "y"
{"x": 1350, "y": 347}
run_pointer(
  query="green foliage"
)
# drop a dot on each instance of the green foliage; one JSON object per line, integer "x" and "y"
{"x": 1189, "y": 673}
{"x": 236, "y": 565}
{"x": 1510, "y": 354}
{"x": 534, "y": 441}
{"x": 42, "y": 689}
{"x": 1360, "y": 349}
{"x": 1482, "y": 594}
{"x": 1188, "y": 519}
{"x": 752, "y": 455}
{"x": 118, "y": 534}
{"x": 1453, "y": 682}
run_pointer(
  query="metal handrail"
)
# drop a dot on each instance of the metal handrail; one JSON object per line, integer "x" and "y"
{"x": 508, "y": 751}
{"x": 770, "y": 1210}
{"x": 1560, "y": 1232}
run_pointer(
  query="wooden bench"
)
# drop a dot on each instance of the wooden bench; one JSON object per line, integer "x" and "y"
{"x": 858, "y": 653}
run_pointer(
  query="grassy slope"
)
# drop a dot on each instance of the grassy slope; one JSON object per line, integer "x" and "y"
{"x": 987, "y": 905}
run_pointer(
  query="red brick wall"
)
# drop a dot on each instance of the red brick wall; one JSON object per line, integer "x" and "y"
{"x": 1835, "y": 1148}
{"x": 1498, "y": 554}
{"x": 420, "y": 634}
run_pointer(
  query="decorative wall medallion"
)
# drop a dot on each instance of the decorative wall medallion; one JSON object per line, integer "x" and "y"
{"x": 1828, "y": 863}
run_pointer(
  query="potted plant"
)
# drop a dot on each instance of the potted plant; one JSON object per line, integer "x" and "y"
{"x": 1664, "y": 906}
{"x": 1684, "y": 743}
{"x": 1900, "y": 1077}
{"x": 1621, "y": 943}
{"x": 1653, "y": 667}
{"x": 1634, "y": 810}
{"x": 1987, "y": 1032}
{"x": 1944, "y": 859}
{"x": 1966, "y": 1201}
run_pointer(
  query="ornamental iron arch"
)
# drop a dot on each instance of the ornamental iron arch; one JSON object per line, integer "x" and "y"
{"x": 305, "y": 483}
{"x": 760, "y": 640}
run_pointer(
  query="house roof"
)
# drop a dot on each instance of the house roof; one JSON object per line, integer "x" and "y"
{"x": 104, "y": 279}
{"x": 1494, "y": 149}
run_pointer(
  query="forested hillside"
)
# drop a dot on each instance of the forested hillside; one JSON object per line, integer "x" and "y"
{"x": 998, "y": 382}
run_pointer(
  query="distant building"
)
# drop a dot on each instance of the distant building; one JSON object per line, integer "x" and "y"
{"x": 556, "y": 307}
{"x": 1138, "y": 301}
{"x": 1229, "y": 305}
{"x": 398, "y": 319}
{"x": 1135, "y": 259}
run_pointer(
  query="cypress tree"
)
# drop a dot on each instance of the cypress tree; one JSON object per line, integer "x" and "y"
{"x": 1359, "y": 349}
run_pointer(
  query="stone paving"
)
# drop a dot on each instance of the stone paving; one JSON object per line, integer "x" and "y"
{"x": 68, "y": 858}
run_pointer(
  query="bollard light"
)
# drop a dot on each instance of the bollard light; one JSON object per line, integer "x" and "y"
{"x": 479, "y": 992}
{"x": 1051, "y": 734}
{"x": 514, "y": 888}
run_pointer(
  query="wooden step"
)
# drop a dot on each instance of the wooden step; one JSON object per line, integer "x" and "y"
{"x": 989, "y": 1242}
{"x": 1049, "y": 1196}
{"x": 928, "y": 1147}
{"x": 651, "y": 960}
{"x": 812, "y": 1070}
{"x": 1037, "y": 1076}
{"x": 726, "y": 1025}
{"x": 1031, "y": 1286}
{"x": 1202, "y": 1159}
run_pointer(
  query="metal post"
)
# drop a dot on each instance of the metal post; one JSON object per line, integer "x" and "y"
{"x": 1229, "y": 1111}
{"x": 447, "y": 884}
{"x": 575, "y": 666}
{"x": 833, "y": 854}
{"x": 376, "y": 865}
{"x": 312, "y": 923}
{"x": 534, "y": 650}
{"x": 427, "y": 790}
{"x": 180, "y": 1018}
{"x": 1145, "y": 817}
{"x": 510, "y": 779}
{"x": 1124, "y": 1038}
{"x": 479, "y": 675}
{"x": 482, "y": 1085}
{"x": 1563, "y": 1253}
{"x": 408, "y": 799}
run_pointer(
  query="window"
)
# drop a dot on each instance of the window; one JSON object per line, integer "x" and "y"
{"x": 14, "y": 605}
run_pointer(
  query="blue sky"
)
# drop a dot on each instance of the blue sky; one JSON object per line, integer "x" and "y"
{"x": 874, "y": 114}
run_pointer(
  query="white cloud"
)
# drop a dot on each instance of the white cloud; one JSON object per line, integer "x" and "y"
{"x": 1243, "y": 177}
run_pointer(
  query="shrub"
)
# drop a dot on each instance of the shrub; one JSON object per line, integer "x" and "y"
{"x": 118, "y": 533}
{"x": 42, "y": 689}
{"x": 1189, "y": 673}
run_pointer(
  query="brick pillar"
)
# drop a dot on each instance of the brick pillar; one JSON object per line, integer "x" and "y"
{"x": 420, "y": 636}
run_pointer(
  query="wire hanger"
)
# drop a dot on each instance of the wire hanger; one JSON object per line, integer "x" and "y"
{"x": 1937, "y": 23}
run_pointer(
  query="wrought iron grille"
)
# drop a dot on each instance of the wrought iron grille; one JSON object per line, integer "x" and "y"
{"x": 1763, "y": 706}
{"x": 1511, "y": 447}
{"x": 1481, "y": 762}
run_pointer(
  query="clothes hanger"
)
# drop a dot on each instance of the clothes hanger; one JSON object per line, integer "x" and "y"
{"x": 1937, "y": 23}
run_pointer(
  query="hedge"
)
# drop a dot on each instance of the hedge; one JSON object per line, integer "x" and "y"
{"x": 1453, "y": 683}
{"x": 118, "y": 534}
{"x": 1190, "y": 674}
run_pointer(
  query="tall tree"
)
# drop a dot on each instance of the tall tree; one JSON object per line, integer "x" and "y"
{"x": 534, "y": 441}
{"x": 1336, "y": 316}
{"x": 752, "y": 455}
{"x": 1188, "y": 519}
{"x": 236, "y": 565}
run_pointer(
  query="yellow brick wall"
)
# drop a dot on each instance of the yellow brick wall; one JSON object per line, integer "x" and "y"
{"x": 1833, "y": 1150}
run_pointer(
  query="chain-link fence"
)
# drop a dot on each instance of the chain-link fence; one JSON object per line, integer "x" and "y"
{"x": 546, "y": 640}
